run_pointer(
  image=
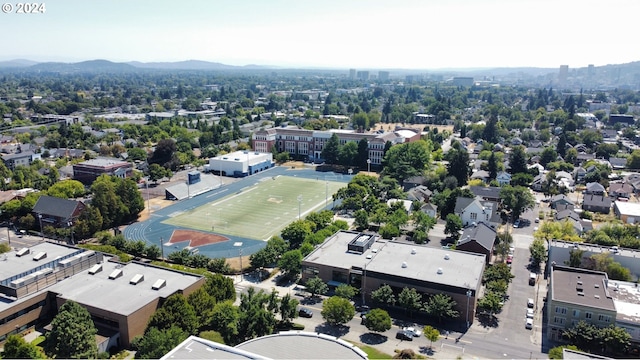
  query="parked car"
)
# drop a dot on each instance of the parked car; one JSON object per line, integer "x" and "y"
{"x": 516, "y": 224}
{"x": 414, "y": 331}
{"x": 530, "y": 303}
{"x": 530, "y": 313}
{"x": 528, "y": 324}
{"x": 509, "y": 259}
{"x": 363, "y": 308}
{"x": 306, "y": 313}
{"x": 404, "y": 335}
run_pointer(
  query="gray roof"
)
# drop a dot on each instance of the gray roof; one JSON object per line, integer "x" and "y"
{"x": 490, "y": 192}
{"x": 207, "y": 182}
{"x": 597, "y": 200}
{"x": 565, "y": 282}
{"x": 595, "y": 187}
{"x": 302, "y": 345}
{"x": 481, "y": 233}
{"x": 49, "y": 205}
{"x": 561, "y": 215}
{"x": 462, "y": 203}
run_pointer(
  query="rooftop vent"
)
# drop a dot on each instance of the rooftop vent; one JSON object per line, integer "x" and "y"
{"x": 374, "y": 250}
{"x": 597, "y": 286}
{"x": 596, "y": 296}
{"x": 580, "y": 294}
{"x": 95, "y": 269}
{"x": 159, "y": 284}
{"x": 39, "y": 256}
{"x": 138, "y": 278}
{"x": 115, "y": 274}
{"x": 369, "y": 256}
{"x": 579, "y": 283}
{"x": 22, "y": 252}
{"x": 446, "y": 256}
{"x": 413, "y": 251}
{"x": 404, "y": 264}
{"x": 439, "y": 271}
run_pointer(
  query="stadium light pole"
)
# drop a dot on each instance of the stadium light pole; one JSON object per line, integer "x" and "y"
{"x": 299, "y": 204}
{"x": 148, "y": 197}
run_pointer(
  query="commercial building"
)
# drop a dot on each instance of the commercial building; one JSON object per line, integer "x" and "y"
{"x": 240, "y": 163}
{"x": 121, "y": 297}
{"x": 87, "y": 171}
{"x": 367, "y": 262}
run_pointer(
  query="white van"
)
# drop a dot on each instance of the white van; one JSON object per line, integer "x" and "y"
{"x": 532, "y": 278}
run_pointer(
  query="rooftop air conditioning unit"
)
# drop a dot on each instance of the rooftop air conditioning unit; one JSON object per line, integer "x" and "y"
{"x": 115, "y": 274}
{"x": 39, "y": 256}
{"x": 22, "y": 252}
{"x": 404, "y": 264}
{"x": 446, "y": 256}
{"x": 138, "y": 278}
{"x": 439, "y": 271}
{"x": 159, "y": 284}
{"x": 95, "y": 269}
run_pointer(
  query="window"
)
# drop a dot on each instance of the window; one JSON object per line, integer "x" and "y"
{"x": 561, "y": 310}
{"x": 473, "y": 216}
{"x": 588, "y": 315}
{"x": 558, "y": 320}
{"x": 576, "y": 313}
{"x": 604, "y": 318}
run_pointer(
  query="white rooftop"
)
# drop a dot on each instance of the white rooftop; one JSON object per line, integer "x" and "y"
{"x": 628, "y": 208}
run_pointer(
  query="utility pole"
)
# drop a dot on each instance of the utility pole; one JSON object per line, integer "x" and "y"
{"x": 162, "y": 248}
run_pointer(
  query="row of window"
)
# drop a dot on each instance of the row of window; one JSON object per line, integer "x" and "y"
{"x": 587, "y": 315}
{"x": 22, "y": 312}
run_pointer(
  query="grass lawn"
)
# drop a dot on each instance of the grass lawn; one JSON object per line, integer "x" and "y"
{"x": 260, "y": 211}
{"x": 372, "y": 353}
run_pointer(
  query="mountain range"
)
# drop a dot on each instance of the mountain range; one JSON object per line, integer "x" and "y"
{"x": 109, "y": 66}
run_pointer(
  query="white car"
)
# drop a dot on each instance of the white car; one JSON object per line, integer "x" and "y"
{"x": 414, "y": 331}
{"x": 530, "y": 313}
{"x": 530, "y": 303}
{"x": 528, "y": 324}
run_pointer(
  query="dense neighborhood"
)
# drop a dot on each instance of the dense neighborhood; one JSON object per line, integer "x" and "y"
{"x": 462, "y": 204}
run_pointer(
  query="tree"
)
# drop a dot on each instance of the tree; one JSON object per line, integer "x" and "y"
{"x": 288, "y": 308}
{"x": 406, "y": 160}
{"x": 410, "y": 300}
{"x": 348, "y": 153}
{"x": 165, "y": 154}
{"x": 225, "y": 317}
{"x": 157, "y": 343}
{"x": 295, "y": 233}
{"x": 290, "y": 263}
{"x": 496, "y": 272}
{"x": 633, "y": 161}
{"x": 316, "y": 286}
{"x": 538, "y": 252}
{"x": 384, "y": 295}
{"x": 72, "y": 333}
{"x": 331, "y": 149}
{"x": 157, "y": 172}
{"x": 337, "y": 310}
{"x": 203, "y": 305}
{"x": 175, "y": 311}
{"x": 361, "y": 219}
{"x": 503, "y": 243}
{"x": 17, "y": 348}
{"x": 378, "y": 320}
{"x": 490, "y": 303}
{"x": 516, "y": 199}
{"x": 458, "y": 165}
{"x": 575, "y": 258}
{"x": 255, "y": 319}
{"x": 555, "y": 353}
{"x": 431, "y": 334}
{"x": 492, "y": 166}
{"x": 453, "y": 226}
{"x": 346, "y": 291}
{"x": 441, "y": 306}
{"x": 220, "y": 287}
{"x": 518, "y": 160}
{"x": 66, "y": 189}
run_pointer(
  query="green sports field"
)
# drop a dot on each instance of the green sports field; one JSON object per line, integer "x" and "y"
{"x": 260, "y": 211}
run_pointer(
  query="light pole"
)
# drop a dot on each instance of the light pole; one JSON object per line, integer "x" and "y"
{"x": 468, "y": 297}
{"x": 162, "y": 248}
{"x": 368, "y": 165}
{"x": 364, "y": 280}
{"x": 148, "y": 197}
{"x": 299, "y": 204}
{"x": 41, "y": 229}
{"x": 238, "y": 244}
{"x": 70, "y": 224}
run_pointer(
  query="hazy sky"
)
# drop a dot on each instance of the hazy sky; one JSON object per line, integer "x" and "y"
{"x": 423, "y": 34}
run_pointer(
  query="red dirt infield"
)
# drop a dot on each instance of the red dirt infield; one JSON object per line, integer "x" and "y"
{"x": 196, "y": 238}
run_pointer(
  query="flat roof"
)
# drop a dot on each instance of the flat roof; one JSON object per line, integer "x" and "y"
{"x": 581, "y": 287}
{"x": 12, "y": 265}
{"x": 628, "y": 208}
{"x": 118, "y": 295}
{"x": 198, "y": 348}
{"x": 103, "y": 162}
{"x": 626, "y": 297}
{"x": 302, "y": 345}
{"x": 458, "y": 268}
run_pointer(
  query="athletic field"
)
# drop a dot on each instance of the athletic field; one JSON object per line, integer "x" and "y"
{"x": 260, "y": 211}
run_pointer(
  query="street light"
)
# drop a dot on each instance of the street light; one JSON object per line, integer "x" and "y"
{"x": 162, "y": 248}
{"x": 368, "y": 165}
{"x": 41, "y": 229}
{"x": 239, "y": 245}
{"x": 299, "y": 204}
{"x": 468, "y": 297}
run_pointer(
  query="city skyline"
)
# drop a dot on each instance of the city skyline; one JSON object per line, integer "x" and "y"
{"x": 379, "y": 34}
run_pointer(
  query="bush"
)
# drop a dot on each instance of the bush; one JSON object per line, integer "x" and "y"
{"x": 212, "y": 336}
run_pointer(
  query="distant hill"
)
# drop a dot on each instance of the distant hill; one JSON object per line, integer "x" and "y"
{"x": 84, "y": 66}
{"x": 17, "y": 63}
{"x": 183, "y": 65}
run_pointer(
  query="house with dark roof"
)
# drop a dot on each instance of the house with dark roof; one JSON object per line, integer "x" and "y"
{"x": 597, "y": 203}
{"x": 420, "y": 193}
{"x": 430, "y": 210}
{"x": 618, "y": 163}
{"x": 412, "y": 182}
{"x": 478, "y": 238}
{"x": 594, "y": 188}
{"x": 480, "y": 175}
{"x": 579, "y": 225}
{"x": 620, "y": 190}
{"x": 57, "y": 212}
{"x": 491, "y": 193}
{"x": 560, "y": 199}
{"x": 476, "y": 210}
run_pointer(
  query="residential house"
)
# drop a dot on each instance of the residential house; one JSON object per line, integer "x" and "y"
{"x": 20, "y": 158}
{"x": 577, "y": 295}
{"x": 594, "y": 188}
{"x": 620, "y": 190}
{"x": 57, "y": 212}
{"x": 412, "y": 182}
{"x": 406, "y": 204}
{"x": 581, "y": 226}
{"x": 430, "y": 210}
{"x": 420, "y": 193}
{"x": 480, "y": 175}
{"x": 609, "y": 134}
{"x": 503, "y": 178}
{"x": 476, "y": 210}
{"x": 584, "y": 157}
{"x": 479, "y": 239}
{"x": 579, "y": 174}
{"x": 560, "y": 199}
{"x": 627, "y": 212}
{"x": 597, "y": 203}
{"x": 539, "y": 182}
{"x": 490, "y": 193}
{"x": 618, "y": 163}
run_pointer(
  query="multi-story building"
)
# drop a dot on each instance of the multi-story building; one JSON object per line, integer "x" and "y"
{"x": 87, "y": 171}
{"x": 308, "y": 144}
{"x": 383, "y": 75}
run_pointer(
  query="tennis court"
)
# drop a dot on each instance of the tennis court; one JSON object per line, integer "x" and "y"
{"x": 262, "y": 210}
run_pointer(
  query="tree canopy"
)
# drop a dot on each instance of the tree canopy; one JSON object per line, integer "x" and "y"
{"x": 72, "y": 333}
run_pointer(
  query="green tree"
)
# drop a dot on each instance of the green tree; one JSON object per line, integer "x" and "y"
{"x": 378, "y": 320}
{"x": 441, "y": 306}
{"x": 348, "y": 153}
{"x": 518, "y": 160}
{"x": 492, "y": 166}
{"x": 346, "y": 291}
{"x": 203, "y": 305}
{"x": 503, "y": 243}
{"x": 157, "y": 172}
{"x": 17, "y": 348}
{"x": 431, "y": 334}
{"x": 406, "y": 160}
{"x": 575, "y": 258}
{"x": 555, "y": 353}
{"x": 225, "y": 319}
{"x": 500, "y": 271}
{"x": 288, "y": 308}
{"x": 220, "y": 287}
{"x": 384, "y": 296}
{"x": 316, "y": 286}
{"x": 73, "y": 334}
{"x": 633, "y": 161}
{"x": 290, "y": 263}
{"x": 490, "y": 303}
{"x": 66, "y": 189}
{"x": 331, "y": 150}
{"x": 361, "y": 219}
{"x": 255, "y": 319}
{"x": 337, "y": 310}
{"x": 295, "y": 232}
{"x": 458, "y": 165}
{"x": 453, "y": 226}
{"x": 516, "y": 199}
{"x": 157, "y": 343}
{"x": 175, "y": 311}
{"x": 410, "y": 300}
{"x": 538, "y": 252}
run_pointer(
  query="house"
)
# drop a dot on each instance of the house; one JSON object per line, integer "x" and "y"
{"x": 412, "y": 182}
{"x": 404, "y": 204}
{"x": 597, "y": 203}
{"x": 420, "y": 193}
{"x": 560, "y": 199}
{"x": 627, "y": 212}
{"x": 594, "y": 188}
{"x": 478, "y": 238}
{"x": 480, "y": 175}
{"x": 620, "y": 190}
{"x": 618, "y": 163}
{"x": 490, "y": 193}
{"x": 539, "y": 182}
{"x": 580, "y": 225}
{"x": 579, "y": 174}
{"x": 20, "y": 158}
{"x": 503, "y": 178}
{"x": 430, "y": 210}
{"x": 476, "y": 210}
{"x": 57, "y": 212}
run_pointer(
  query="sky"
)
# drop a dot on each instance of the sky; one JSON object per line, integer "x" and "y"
{"x": 361, "y": 34}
